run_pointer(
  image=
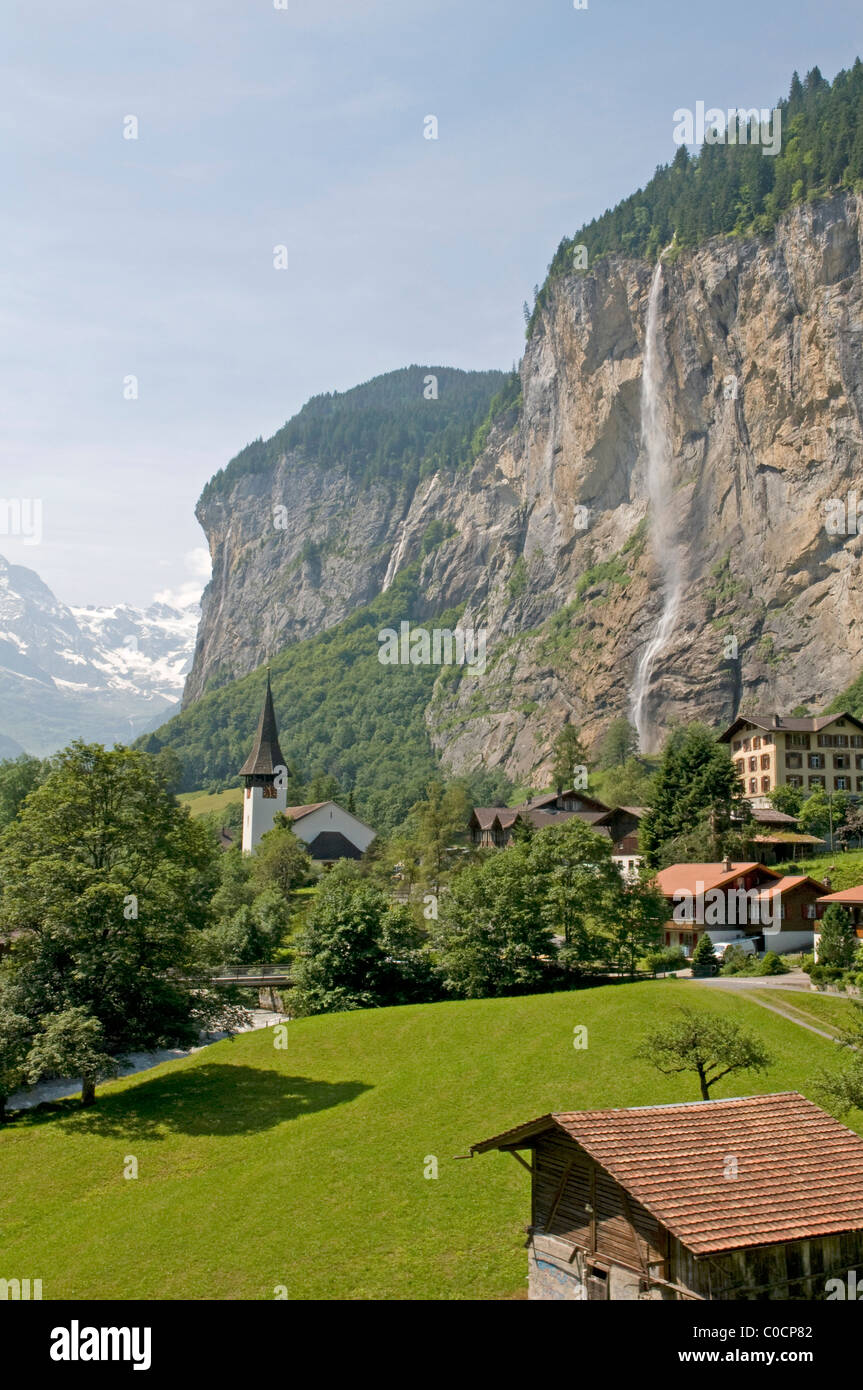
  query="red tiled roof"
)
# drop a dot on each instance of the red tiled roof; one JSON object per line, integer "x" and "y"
{"x": 685, "y": 878}
{"x": 845, "y": 895}
{"x": 799, "y": 1172}
{"x": 786, "y": 885}
{"x": 297, "y": 812}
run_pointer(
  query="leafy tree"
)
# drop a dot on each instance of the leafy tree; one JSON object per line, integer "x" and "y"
{"x": 358, "y": 950}
{"x": 634, "y": 925}
{"x": 15, "y": 1035}
{"x": 280, "y": 861}
{"x": 569, "y": 756}
{"x": 71, "y": 1043}
{"x": 819, "y": 810}
{"x": 439, "y": 819}
{"x": 841, "y": 1090}
{"x": 695, "y": 777}
{"x": 492, "y": 936}
{"x": 580, "y": 887}
{"x": 838, "y": 944}
{"x": 629, "y": 785}
{"x": 107, "y": 878}
{"x": 710, "y": 1045}
{"x": 772, "y": 964}
{"x": 619, "y": 744}
{"x": 18, "y": 778}
{"x": 787, "y": 799}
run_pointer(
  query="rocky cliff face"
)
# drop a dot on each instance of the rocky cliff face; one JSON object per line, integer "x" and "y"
{"x": 551, "y": 551}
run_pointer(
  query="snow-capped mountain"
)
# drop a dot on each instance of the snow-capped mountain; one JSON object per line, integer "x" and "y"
{"x": 104, "y": 674}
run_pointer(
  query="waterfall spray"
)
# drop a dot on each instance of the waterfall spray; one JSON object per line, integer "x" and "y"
{"x": 663, "y": 535}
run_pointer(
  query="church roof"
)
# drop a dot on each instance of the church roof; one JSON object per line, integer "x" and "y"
{"x": 266, "y": 755}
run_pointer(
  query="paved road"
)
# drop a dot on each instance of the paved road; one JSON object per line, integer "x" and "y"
{"x": 795, "y": 979}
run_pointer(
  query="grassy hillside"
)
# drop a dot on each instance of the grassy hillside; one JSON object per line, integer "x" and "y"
{"x": 304, "y": 1167}
{"x": 843, "y": 868}
{"x": 201, "y": 803}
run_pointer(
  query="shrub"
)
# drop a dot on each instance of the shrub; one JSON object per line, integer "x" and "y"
{"x": 771, "y": 964}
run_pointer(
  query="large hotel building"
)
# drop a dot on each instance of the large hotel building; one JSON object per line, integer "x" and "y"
{"x": 823, "y": 750}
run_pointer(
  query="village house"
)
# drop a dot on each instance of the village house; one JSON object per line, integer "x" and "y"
{"x": 759, "y": 1197}
{"x": 778, "y": 837}
{"x": 816, "y": 751}
{"x": 495, "y": 827}
{"x": 777, "y": 911}
{"x": 849, "y": 898}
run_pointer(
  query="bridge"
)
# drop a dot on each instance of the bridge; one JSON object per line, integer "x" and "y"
{"x": 260, "y": 976}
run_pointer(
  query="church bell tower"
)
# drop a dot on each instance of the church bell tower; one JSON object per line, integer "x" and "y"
{"x": 264, "y": 776}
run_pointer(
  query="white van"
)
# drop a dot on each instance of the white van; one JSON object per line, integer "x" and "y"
{"x": 723, "y": 939}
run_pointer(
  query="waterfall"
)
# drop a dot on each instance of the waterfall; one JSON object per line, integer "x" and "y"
{"x": 662, "y": 521}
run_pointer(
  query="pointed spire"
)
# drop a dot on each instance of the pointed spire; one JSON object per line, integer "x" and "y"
{"x": 266, "y": 755}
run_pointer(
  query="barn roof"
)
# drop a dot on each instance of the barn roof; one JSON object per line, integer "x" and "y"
{"x": 799, "y": 1173}
{"x": 266, "y": 755}
{"x": 845, "y": 895}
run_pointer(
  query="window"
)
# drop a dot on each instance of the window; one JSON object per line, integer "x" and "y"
{"x": 816, "y": 760}
{"x": 746, "y": 743}
{"x": 841, "y": 760}
{"x": 858, "y": 762}
{"x": 798, "y": 781}
{"x": 857, "y": 740}
{"x": 817, "y": 782}
{"x": 735, "y": 747}
{"x": 793, "y": 759}
{"x": 756, "y": 743}
{"x": 765, "y": 762}
{"x": 753, "y": 785}
{"x": 842, "y": 784}
{"x": 798, "y": 740}
{"x": 810, "y": 912}
{"x": 753, "y": 764}
{"x": 840, "y": 723}
{"x": 765, "y": 784}
{"x": 860, "y": 784}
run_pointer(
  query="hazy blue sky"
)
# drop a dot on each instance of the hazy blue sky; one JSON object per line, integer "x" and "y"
{"x": 304, "y": 126}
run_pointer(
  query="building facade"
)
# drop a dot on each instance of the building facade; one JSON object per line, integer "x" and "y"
{"x": 816, "y": 752}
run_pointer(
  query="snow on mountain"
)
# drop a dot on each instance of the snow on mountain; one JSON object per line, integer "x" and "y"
{"x": 99, "y": 673}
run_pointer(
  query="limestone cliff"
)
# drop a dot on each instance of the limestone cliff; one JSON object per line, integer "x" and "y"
{"x": 550, "y": 549}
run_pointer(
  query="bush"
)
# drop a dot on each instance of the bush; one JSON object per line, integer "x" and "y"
{"x": 735, "y": 961}
{"x": 826, "y": 974}
{"x": 771, "y": 964}
{"x": 669, "y": 958}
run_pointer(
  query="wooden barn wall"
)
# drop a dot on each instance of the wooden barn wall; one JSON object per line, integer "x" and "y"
{"x": 576, "y": 1199}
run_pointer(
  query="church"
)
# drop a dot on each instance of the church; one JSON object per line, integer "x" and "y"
{"x": 327, "y": 830}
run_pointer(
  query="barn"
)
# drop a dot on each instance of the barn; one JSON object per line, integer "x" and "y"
{"x": 759, "y": 1197}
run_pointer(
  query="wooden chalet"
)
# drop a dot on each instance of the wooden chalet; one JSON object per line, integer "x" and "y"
{"x": 495, "y": 827}
{"x": 760, "y": 1197}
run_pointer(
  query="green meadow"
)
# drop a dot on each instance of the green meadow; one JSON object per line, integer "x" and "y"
{"x": 304, "y": 1168}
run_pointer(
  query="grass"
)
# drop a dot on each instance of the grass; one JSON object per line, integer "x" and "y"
{"x": 304, "y": 1167}
{"x": 843, "y": 868}
{"x": 827, "y": 1010}
{"x": 199, "y": 803}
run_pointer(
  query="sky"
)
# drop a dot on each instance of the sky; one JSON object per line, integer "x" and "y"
{"x": 146, "y": 335}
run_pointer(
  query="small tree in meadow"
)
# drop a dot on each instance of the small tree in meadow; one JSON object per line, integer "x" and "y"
{"x": 710, "y": 1045}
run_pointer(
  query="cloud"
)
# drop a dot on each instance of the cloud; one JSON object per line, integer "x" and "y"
{"x": 188, "y": 595}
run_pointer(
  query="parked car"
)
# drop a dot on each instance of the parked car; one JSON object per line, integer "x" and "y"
{"x": 746, "y": 944}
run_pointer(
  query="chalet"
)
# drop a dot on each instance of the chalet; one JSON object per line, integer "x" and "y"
{"x": 849, "y": 898}
{"x": 817, "y": 751}
{"x": 778, "y": 911}
{"x": 495, "y": 827}
{"x": 778, "y": 837}
{"x": 760, "y": 1198}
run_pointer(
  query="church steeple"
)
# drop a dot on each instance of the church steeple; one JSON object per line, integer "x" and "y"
{"x": 265, "y": 776}
{"x": 266, "y": 755}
